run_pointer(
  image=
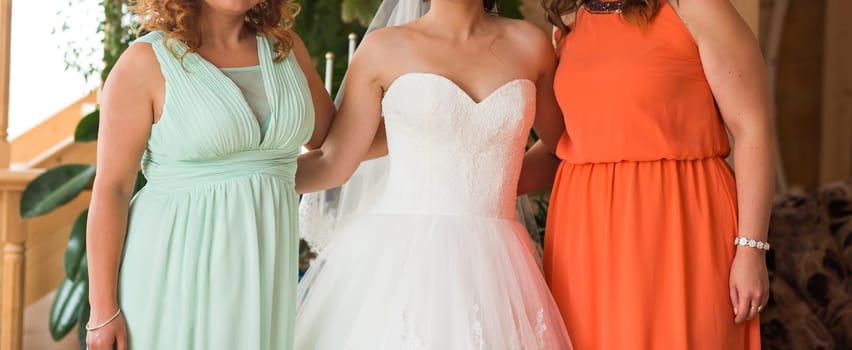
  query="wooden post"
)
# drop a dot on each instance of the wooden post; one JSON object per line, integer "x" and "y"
{"x": 836, "y": 153}
{"x": 5, "y": 48}
{"x": 13, "y": 238}
{"x": 329, "y": 71}
{"x": 772, "y": 48}
{"x": 353, "y": 43}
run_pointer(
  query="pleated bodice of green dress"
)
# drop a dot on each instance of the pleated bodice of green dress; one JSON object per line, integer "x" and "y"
{"x": 210, "y": 259}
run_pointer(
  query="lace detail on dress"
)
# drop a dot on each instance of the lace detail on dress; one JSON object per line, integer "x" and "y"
{"x": 315, "y": 223}
{"x": 540, "y": 328}
{"x": 477, "y": 328}
{"x": 470, "y": 162}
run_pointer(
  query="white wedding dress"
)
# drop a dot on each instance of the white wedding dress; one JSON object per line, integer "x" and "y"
{"x": 437, "y": 260}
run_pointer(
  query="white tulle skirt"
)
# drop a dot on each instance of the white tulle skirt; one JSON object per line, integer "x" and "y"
{"x": 443, "y": 282}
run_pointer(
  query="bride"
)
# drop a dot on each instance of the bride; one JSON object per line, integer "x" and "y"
{"x": 436, "y": 258}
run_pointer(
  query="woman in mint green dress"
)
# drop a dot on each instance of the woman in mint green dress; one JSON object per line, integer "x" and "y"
{"x": 216, "y": 102}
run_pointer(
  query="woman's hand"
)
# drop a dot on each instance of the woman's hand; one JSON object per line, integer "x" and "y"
{"x": 111, "y": 336}
{"x": 538, "y": 170}
{"x": 749, "y": 283}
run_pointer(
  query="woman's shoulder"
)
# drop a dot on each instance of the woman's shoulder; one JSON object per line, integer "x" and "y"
{"x": 525, "y": 34}
{"x": 385, "y": 42}
{"x": 158, "y": 44}
{"x": 136, "y": 70}
{"x": 528, "y": 40}
{"x": 142, "y": 56}
{"x": 517, "y": 24}
{"x": 384, "y": 37}
{"x": 153, "y": 37}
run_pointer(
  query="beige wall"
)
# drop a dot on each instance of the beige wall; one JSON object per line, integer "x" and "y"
{"x": 798, "y": 92}
{"x": 814, "y": 106}
{"x": 836, "y": 160}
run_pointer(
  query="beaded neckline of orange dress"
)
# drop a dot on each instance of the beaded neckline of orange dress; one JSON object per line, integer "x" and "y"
{"x": 603, "y": 6}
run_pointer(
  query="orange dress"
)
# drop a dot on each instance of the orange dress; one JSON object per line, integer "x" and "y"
{"x": 643, "y": 215}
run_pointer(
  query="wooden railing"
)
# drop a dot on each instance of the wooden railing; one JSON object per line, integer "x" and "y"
{"x": 66, "y": 151}
{"x": 5, "y": 60}
{"x": 31, "y": 251}
{"x": 57, "y": 131}
{"x": 31, "y": 254}
{"x": 13, "y": 238}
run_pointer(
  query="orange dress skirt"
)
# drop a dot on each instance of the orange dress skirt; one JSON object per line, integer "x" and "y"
{"x": 643, "y": 215}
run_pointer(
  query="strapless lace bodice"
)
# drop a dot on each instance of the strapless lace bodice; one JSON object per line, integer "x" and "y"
{"x": 449, "y": 154}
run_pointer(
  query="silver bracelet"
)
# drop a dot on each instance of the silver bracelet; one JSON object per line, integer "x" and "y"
{"x": 747, "y": 242}
{"x": 94, "y": 328}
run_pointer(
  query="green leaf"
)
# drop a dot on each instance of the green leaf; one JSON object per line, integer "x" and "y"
{"x": 54, "y": 188}
{"x": 83, "y": 270}
{"x": 66, "y": 305}
{"x": 87, "y": 128}
{"x": 82, "y": 320}
{"x": 75, "y": 254}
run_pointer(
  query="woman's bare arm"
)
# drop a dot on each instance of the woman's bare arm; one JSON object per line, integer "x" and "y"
{"x": 354, "y": 129}
{"x": 126, "y": 116}
{"x": 736, "y": 73}
{"x": 323, "y": 106}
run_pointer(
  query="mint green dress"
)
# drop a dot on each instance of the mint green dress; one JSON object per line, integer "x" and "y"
{"x": 210, "y": 259}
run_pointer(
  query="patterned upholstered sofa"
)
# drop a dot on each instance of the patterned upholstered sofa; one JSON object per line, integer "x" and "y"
{"x": 811, "y": 271}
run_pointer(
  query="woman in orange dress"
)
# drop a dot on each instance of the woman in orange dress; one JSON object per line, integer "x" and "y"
{"x": 640, "y": 245}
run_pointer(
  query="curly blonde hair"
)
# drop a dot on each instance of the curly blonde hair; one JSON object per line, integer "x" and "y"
{"x": 178, "y": 19}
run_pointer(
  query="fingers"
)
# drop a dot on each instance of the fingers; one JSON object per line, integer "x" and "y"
{"x": 121, "y": 341}
{"x": 743, "y": 304}
{"x": 98, "y": 341}
{"x": 748, "y": 304}
{"x": 752, "y": 309}
{"x": 758, "y": 301}
{"x": 734, "y": 300}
